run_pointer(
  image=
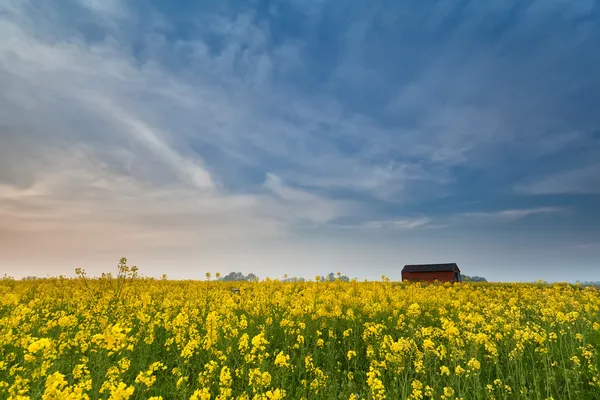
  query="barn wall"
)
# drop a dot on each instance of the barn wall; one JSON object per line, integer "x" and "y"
{"x": 428, "y": 276}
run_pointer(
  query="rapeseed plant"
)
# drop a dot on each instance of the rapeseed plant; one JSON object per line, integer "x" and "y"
{"x": 128, "y": 337}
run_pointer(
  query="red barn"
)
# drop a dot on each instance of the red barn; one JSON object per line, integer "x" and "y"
{"x": 431, "y": 272}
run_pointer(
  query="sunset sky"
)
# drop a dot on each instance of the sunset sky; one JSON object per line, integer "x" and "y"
{"x": 300, "y": 137}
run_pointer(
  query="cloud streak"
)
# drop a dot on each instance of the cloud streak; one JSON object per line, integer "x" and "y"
{"x": 512, "y": 215}
{"x": 400, "y": 224}
{"x": 584, "y": 180}
{"x": 189, "y": 170}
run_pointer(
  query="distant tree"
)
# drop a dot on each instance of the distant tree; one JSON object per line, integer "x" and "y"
{"x": 466, "y": 278}
{"x": 233, "y": 276}
{"x": 293, "y": 279}
{"x": 331, "y": 277}
{"x": 237, "y": 277}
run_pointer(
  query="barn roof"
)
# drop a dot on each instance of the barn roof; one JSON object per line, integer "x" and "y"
{"x": 447, "y": 267}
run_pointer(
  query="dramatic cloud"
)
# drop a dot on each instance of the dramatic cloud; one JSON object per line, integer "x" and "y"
{"x": 239, "y": 135}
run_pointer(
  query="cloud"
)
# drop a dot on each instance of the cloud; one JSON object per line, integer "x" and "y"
{"x": 399, "y": 224}
{"x": 511, "y": 215}
{"x": 219, "y": 125}
{"x": 189, "y": 170}
{"x": 588, "y": 246}
{"x": 584, "y": 180}
{"x": 74, "y": 85}
{"x": 301, "y": 205}
{"x": 96, "y": 152}
{"x": 110, "y": 8}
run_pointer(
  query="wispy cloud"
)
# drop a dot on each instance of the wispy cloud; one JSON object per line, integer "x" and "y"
{"x": 511, "y": 215}
{"x": 400, "y": 224}
{"x": 189, "y": 170}
{"x": 584, "y": 180}
{"x": 98, "y": 160}
{"x": 588, "y": 246}
{"x": 301, "y": 205}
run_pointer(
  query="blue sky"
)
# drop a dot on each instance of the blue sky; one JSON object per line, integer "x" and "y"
{"x": 300, "y": 137}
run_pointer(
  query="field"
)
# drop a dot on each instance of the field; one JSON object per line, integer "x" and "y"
{"x": 125, "y": 337}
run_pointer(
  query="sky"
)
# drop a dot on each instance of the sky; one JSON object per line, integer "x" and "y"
{"x": 300, "y": 137}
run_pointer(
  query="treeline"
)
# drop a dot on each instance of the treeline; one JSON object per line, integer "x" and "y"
{"x": 240, "y": 277}
{"x": 466, "y": 278}
{"x": 329, "y": 278}
{"x": 588, "y": 283}
{"x": 237, "y": 277}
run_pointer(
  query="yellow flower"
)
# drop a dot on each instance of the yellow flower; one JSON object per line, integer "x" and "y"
{"x": 201, "y": 394}
{"x": 276, "y": 394}
{"x": 474, "y": 364}
{"x": 448, "y": 392}
{"x": 39, "y": 345}
{"x": 281, "y": 360}
{"x": 428, "y": 344}
{"x": 122, "y": 392}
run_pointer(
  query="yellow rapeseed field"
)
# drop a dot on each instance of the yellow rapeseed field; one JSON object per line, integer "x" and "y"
{"x": 125, "y": 337}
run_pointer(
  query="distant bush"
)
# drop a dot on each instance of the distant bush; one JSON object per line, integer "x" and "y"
{"x": 238, "y": 277}
{"x": 466, "y": 278}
